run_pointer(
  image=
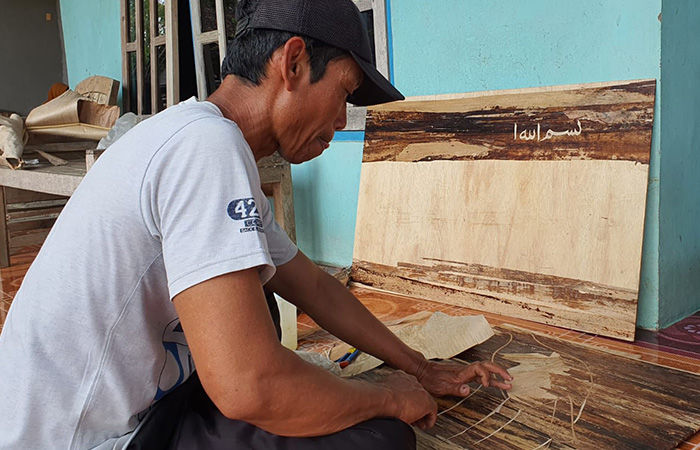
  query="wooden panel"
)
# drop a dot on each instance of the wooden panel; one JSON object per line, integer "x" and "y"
{"x": 546, "y": 299}
{"x": 597, "y": 401}
{"x": 611, "y": 123}
{"x": 582, "y": 220}
{"x": 58, "y": 180}
{"x": 23, "y": 196}
{"x": 545, "y": 185}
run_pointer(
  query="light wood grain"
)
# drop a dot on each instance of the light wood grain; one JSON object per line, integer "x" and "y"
{"x": 99, "y": 89}
{"x": 153, "y": 5}
{"x": 452, "y": 184}
{"x": 197, "y": 37}
{"x": 574, "y": 219}
{"x": 172, "y": 55}
{"x": 139, "y": 57}
{"x": 221, "y": 29}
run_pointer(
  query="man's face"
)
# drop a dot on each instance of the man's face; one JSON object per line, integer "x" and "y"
{"x": 317, "y": 111}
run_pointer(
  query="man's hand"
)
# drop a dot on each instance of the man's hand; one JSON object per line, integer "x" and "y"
{"x": 450, "y": 378}
{"x": 415, "y": 405}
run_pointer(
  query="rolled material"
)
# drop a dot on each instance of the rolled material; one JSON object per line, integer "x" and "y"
{"x": 13, "y": 137}
{"x": 72, "y": 115}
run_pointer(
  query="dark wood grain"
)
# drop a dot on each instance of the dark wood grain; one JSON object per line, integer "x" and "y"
{"x": 600, "y": 130}
{"x": 631, "y": 405}
{"x": 542, "y": 298}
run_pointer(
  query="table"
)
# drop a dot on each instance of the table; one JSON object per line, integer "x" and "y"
{"x": 275, "y": 177}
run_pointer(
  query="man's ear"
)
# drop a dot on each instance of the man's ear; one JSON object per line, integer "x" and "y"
{"x": 294, "y": 63}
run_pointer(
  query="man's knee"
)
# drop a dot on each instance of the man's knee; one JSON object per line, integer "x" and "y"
{"x": 390, "y": 434}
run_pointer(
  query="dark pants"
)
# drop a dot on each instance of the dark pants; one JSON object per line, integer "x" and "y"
{"x": 187, "y": 419}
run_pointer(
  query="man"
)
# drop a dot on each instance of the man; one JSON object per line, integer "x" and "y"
{"x": 158, "y": 262}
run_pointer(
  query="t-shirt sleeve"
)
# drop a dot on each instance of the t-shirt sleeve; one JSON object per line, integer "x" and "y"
{"x": 201, "y": 198}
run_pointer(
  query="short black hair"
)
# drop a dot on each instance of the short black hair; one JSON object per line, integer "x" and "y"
{"x": 247, "y": 54}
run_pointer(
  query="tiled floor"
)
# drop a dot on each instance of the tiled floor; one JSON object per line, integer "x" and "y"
{"x": 681, "y": 338}
{"x": 11, "y": 278}
{"x": 677, "y": 347}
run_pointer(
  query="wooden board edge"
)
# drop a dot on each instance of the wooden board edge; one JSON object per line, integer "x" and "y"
{"x": 407, "y": 282}
{"x": 527, "y": 90}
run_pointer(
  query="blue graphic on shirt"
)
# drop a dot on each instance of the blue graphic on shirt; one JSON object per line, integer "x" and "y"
{"x": 245, "y": 210}
{"x": 178, "y": 360}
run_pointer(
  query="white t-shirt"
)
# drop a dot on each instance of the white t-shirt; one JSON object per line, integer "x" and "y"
{"x": 92, "y": 339}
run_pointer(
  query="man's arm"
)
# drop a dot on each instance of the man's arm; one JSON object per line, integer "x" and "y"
{"x": 250, "y": 376}
{"x": 336, "y": 310}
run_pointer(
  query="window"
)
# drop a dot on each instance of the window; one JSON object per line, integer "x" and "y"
{"x": 374, "y": 14}
{"x": 151, "y": 57}
{"x": 150, "y": 69}
{"x": 213, "y": 25}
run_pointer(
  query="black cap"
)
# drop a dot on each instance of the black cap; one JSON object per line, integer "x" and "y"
{"x": 335, "y": 22}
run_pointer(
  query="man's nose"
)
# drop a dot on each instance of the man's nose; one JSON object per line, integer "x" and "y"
{"x": 341, "y": 121}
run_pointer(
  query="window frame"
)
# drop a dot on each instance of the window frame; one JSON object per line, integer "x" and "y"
{"x": 168, "y": 39}
{"x": 201, "y": 39}
{"x": 357, "y": 114}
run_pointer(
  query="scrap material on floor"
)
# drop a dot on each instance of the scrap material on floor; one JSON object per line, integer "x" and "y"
{"x": 639, "y": 398}
{"x": 529, "y": 203}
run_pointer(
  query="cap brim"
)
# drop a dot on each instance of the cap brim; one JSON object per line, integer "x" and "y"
{"x": 375, "y": 89}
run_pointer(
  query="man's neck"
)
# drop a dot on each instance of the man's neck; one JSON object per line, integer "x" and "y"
{"x": 247, "y": 105}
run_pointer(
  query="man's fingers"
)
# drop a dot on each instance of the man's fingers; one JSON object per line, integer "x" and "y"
{"x": 485, "y": 371}
{"x": 495, "y": 368}
{"x": 425, "y": 422}
{"x": 456, "y": 389}
{"x": 484, "y": 375}
{"x": 431, "y": 419}
{"x": 420, "y": 423}
{"x": 501, "y": 384}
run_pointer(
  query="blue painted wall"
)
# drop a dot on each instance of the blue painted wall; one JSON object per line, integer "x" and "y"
{"x": 92, "y": 36}
{"x": 325, "y": 203}
{"x": 448, "y": 46}
{"x": 679, "y": 205}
